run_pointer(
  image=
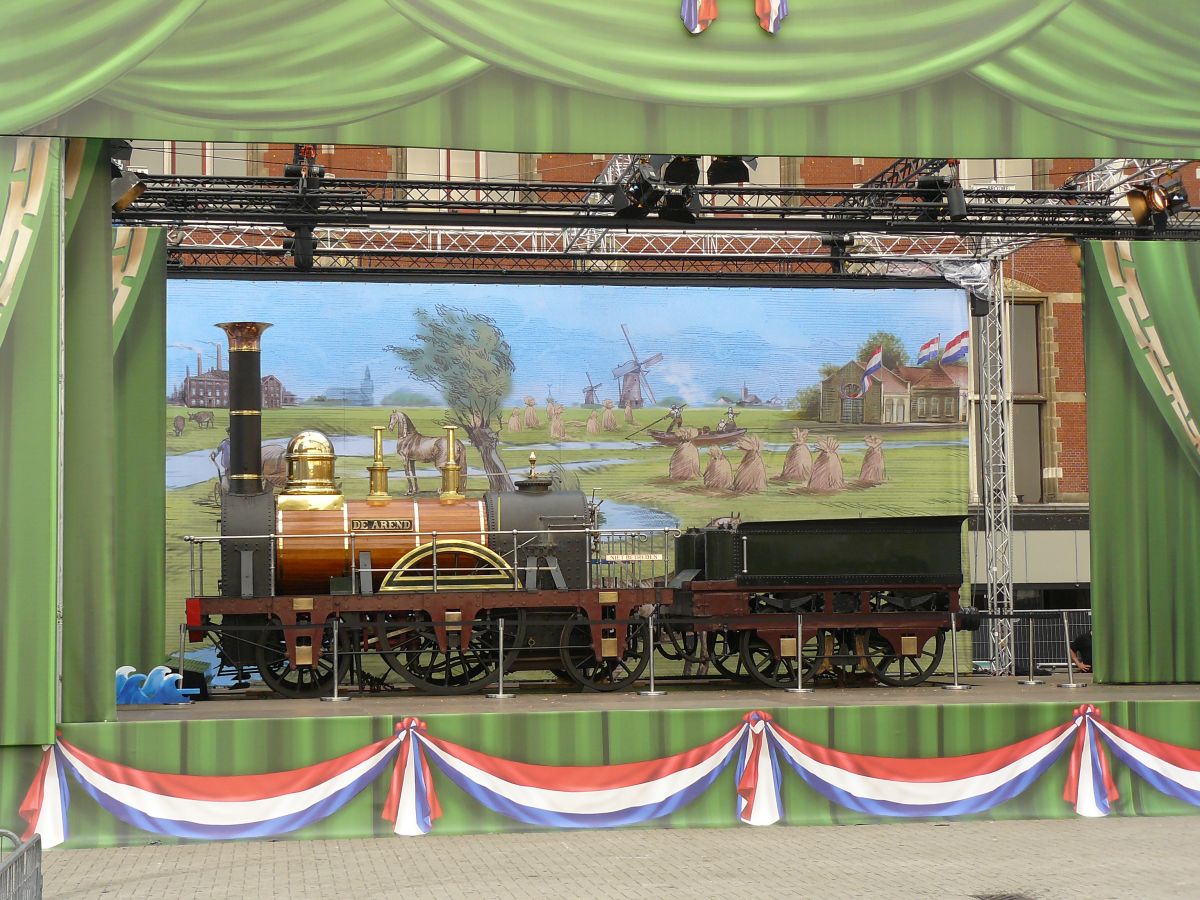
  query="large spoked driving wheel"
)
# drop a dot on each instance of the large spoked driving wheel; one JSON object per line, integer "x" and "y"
{"x": 581, "y": 664}
{"x": 760, "y": 661}
{"x": 278, "y": 673}
{"x": 410, "y": 647}
{"x": 899, "y": 670}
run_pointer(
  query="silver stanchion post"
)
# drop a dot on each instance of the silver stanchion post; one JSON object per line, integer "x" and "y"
{"x": 499, "y": 694}
{"x": 182, "y": 635}
{"x": 652, "y": 692}
{"x": 1070, "y": 683}
{"x": 800, "y": 688}
{"x": 957, "y": 686}
{"x": 335, "y": 697}
{"x": 1029, "y": 679}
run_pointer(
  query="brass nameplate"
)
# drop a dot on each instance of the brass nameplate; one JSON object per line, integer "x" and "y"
{"x": 381, "y": 524}
{"x": 908, "y": 645}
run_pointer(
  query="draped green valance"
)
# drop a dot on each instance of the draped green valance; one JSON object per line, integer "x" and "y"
{"x": 924, "y": 77}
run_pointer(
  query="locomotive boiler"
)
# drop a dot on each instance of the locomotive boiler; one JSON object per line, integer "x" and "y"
{"x": 434, "y": 585}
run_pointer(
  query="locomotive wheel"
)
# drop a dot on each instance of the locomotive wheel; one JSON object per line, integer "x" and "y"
{"x": 725, "y": 653}
{"x": 283, "y": 678}
{"x": 676, "y": 645}
{"x": 902, "y": 671}
{"x": 777, "y": 671}
{"x": 410, "y": 648}
{"x": 601, "y": 674}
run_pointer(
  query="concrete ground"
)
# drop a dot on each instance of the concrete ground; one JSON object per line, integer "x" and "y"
{"x": 1092, "y": 858}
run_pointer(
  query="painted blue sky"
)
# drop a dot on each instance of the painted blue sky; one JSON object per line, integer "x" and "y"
{"x": 712, "y": 338}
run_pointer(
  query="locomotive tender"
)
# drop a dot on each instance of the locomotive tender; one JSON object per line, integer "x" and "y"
{"x": 428, "y": 582}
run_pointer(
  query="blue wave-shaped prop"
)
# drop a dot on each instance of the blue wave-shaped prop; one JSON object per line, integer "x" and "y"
{"x": 160, "y": 686}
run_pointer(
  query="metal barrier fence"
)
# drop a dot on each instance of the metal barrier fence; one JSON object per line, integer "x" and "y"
{"x": 1049, "y": 642}
{"x": 21, "y": 870}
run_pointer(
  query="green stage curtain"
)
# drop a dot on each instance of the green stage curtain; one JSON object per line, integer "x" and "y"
{"x": 30, "y": 285}
{"x": 927, "y": 77}
{"x": 139, "y": 376}
{"x": 88, "y": 585}
{"x": 1141, "y": 317}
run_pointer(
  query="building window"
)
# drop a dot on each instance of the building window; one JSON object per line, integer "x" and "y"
{"x": 920, "y": 407}
{"x": 948, "y": 412}
{"x": 934, "y": 407}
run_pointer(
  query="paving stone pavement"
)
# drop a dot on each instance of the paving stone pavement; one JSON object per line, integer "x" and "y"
{"x": 1040, "y": 860}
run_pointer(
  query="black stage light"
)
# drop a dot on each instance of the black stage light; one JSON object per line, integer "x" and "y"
{"x": 930, "y": 191}
{"x": 313, "y": 181}
{"x": 682, "y": 170}
{"x": 637, "y": 198}
{"x": 839, "y": 251}
{"x": 980, "y": 305}
{"x": 680, "y": 205}
{"x": 956, "y": 202}
{"x": 293, "y": 170}
{"x": 728, "y": 170}
{"x": 120, "y": 151}
{"x": 301, "y": 246}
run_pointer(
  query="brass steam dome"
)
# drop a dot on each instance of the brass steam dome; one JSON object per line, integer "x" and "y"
{"x": 310, "y": 469}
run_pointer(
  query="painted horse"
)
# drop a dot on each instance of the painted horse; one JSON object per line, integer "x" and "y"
{"x": 413, "y": 447}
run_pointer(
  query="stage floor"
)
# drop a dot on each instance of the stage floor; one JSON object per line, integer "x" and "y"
{"x": 551, "y": 698}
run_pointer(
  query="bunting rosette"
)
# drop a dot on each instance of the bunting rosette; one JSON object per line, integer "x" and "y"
{"x": 266, "y": 805}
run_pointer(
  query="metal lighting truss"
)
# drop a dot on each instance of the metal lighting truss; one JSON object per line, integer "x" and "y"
{"x": 224, "y": 225}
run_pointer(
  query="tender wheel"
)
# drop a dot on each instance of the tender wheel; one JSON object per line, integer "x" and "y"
{"x": 286, "y": 680}
{"x": 902, "y": 671}
{"x": 763, "y": 665}
{"x": 601, "y": 674}
{"x": 410, "y": 648}
{"x": 725, "y": 653}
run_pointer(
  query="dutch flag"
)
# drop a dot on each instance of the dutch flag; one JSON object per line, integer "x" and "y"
{"x": 957, "y": 348}
{"x": 929, "y": 350}
{"x": 874, "y": 364}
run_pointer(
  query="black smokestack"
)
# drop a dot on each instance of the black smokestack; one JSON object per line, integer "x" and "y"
{"x": 245, "y": 405}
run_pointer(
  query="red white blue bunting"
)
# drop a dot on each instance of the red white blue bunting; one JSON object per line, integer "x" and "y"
{"x": 256, "y": 806}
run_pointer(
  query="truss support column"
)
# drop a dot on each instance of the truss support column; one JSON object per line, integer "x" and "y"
{"x": 995, "y": 413}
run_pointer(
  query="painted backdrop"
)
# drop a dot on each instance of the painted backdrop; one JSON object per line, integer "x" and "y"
{"x": 674, "y": 404}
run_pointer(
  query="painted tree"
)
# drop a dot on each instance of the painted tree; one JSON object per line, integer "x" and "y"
{"x": 894, "y": 353}
{"x": 466, "y": 358}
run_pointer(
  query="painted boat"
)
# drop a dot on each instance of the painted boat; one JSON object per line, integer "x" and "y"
{"x": 706, "y": 438}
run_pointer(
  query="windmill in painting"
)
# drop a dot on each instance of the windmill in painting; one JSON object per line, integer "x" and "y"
{"x": 631, "y": 375}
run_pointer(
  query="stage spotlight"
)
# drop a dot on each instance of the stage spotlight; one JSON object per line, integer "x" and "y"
{"x": 682, "y": 170}
{"x": 1149, "y": 205}
{"x": 680, "y": 205}
{"x": 1177, "y": 197}
{"x": 730, "y": 169}
{"x": 126, "y": 186}
{"x": 301, "y": 246}
{"x": 637, "y": 198}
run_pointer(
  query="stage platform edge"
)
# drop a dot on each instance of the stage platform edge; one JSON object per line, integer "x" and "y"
{"x": 587, "y": 730}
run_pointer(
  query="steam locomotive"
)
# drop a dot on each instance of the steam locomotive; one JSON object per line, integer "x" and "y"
{"x": 434, "y": 586}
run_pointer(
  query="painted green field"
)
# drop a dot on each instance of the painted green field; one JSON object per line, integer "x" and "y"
{"x": 926, "y": 470}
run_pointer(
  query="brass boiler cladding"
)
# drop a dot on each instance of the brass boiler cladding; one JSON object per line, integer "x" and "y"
{"x": 388, "y": 528}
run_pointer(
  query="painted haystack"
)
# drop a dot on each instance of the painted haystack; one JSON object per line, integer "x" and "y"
{"x": 719, "y": 474}
{"x": 751, "y": 475}
{"x": 827, "y": 470}
{"x": 873, "y": 469}
{"x": 798, "y": 464}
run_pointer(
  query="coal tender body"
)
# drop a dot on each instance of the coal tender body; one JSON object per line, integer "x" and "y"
{"x": 875, "y": 594}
